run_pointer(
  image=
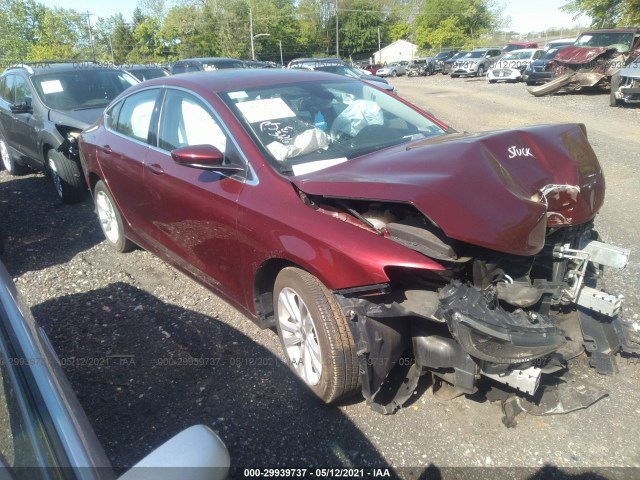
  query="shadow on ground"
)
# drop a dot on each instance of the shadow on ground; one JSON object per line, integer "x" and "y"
{"x": 37, "y": 230}
{"x": 144, "y": 370}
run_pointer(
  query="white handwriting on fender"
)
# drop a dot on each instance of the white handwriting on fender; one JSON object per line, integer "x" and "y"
{"x": 520, "y": 152}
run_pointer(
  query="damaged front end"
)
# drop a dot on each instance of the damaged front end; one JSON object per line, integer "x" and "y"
{"x": 511, "y": 304}
{"x": 507, "y": 318}
{"x": 594, "y": 59}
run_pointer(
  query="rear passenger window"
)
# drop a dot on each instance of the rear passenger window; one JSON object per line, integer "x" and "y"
{"x": 135, "y": 114}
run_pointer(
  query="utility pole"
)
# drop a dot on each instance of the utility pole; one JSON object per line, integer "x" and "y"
{"x": 281, "y": 60}
{"x": 253, "y": 52}
{"x": 337, "y": 44}
{"x": 88, "y": 15}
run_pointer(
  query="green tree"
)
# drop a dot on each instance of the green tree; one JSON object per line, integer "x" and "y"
{"x": 186, "y": 32}
{"x": 58, "y": 37}
{"x": 121, "y": 39}
{"x": 20, "y": 20}
{"x": 146, "y": 47}
{"x": 606, "y": 13}
{"x": 443, "y": 21}
{"x": 359, "y": 21}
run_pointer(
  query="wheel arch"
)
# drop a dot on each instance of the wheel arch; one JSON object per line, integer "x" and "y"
{"x": 263, "y": 285}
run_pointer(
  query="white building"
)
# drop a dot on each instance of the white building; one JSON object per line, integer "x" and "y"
{"x": 396, "y": 51}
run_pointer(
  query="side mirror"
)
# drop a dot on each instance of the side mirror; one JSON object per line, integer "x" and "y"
{"x": 196, "y": 453}
{"x": 205, "y": 157}
{"x": 21, "y": 107}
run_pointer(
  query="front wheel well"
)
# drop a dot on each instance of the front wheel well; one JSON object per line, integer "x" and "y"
{"x": 93, "y": 180}
{"x": 263, "y": 283}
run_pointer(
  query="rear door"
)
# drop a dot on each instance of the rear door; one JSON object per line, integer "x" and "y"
{"x": 123, "y": 147}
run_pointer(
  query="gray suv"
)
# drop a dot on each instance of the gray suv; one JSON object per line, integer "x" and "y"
{"x": 43, "y": 109}
{"x": 476, "y": 63}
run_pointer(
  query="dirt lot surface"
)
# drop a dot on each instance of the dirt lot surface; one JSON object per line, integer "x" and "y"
{"x": 149, "y": 352}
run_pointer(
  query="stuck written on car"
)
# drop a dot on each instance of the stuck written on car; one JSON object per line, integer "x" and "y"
{"x": 352, "y": 222}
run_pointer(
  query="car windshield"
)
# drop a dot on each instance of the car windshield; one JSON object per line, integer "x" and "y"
{"x": 340, "y": 70}
{"x": 551, "y": 53}
{"x": 222, "y": 64}
{"x": 620, "y": 40}
{"x": 305, "y": 126}
{"x": 143, "y": 74}
{"x": 80, "y": 89}
{"x": 518, "y": 56}
{"x": 458, "y": 55}
{"x": 475, "y": 54}
{"x": 441, "y": 55}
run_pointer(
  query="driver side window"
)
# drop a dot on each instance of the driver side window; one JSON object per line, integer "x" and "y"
{"x": 186, "y": 121}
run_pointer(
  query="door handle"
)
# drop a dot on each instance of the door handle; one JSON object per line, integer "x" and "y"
{"x": 155, "y": 168}
{"x": 106, "y": 148}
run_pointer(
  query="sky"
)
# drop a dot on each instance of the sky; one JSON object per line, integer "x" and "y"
{"x": 526, "y": 16}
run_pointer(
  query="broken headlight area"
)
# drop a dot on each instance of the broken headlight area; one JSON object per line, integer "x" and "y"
{"x": 69, "y": 145}
{"x": 513, "y": 320}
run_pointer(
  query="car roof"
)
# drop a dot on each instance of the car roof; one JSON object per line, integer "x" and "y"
{"x": 612, "y": 30}
{"x": 528, "y": 50}
{"x": 237, "y": 79}
{"x": 209, "y": 59}
{"x": 41, "y": 68}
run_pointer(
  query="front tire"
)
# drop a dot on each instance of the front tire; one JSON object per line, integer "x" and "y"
{"x": 615, "y": 84}
{"x": 67, "y": 177}
{"x": 480, "y": 72}
{"x": 110, "y": 219}
{"x": 9, "y": 163}
{"x": 315, "y": 336}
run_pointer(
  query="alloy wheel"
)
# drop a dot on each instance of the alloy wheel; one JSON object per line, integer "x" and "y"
{"x": 107, "y": 216}
{"x": 299, "y": 336}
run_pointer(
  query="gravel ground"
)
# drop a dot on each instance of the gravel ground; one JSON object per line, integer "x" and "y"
{"x": 149, "y": 352}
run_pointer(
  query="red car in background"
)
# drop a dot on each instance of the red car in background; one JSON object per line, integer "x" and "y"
{"x": 373, "y": 68}
{"x": 359, "y": 226}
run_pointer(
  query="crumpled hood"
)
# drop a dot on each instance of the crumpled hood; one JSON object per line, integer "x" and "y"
{"x": 79, "y": 119}
{"x": 498, "y": 190}
{"x": 579, "y": 55}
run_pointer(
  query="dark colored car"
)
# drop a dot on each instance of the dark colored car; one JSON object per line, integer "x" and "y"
{"x": 359, "y": 226}
{"x": 537, "y": 71}
{"x": 44, "y": 432}
{"x": 43, "y": 108}
{"x": 440, "y": 58}
{"x": 421, "y": 67}
{"x": 347, "y": 71}
{"x": 205, "y": 64}
{"x": 447, "y": 65}
{"x": 311, "y": 63}
{"x": 145, "y": 72}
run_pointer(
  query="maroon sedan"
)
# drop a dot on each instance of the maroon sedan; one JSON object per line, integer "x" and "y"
{"x": 359, "y": 226}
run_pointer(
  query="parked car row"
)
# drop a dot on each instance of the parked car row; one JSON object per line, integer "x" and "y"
{"x": 606, "y": 58}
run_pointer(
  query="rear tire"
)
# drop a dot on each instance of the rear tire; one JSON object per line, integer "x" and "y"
{"x": 67, "y": 177}
{"x": 315, "y": 336}
{"x": 8, "y": 161}
{"x": 110, "y": 219}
